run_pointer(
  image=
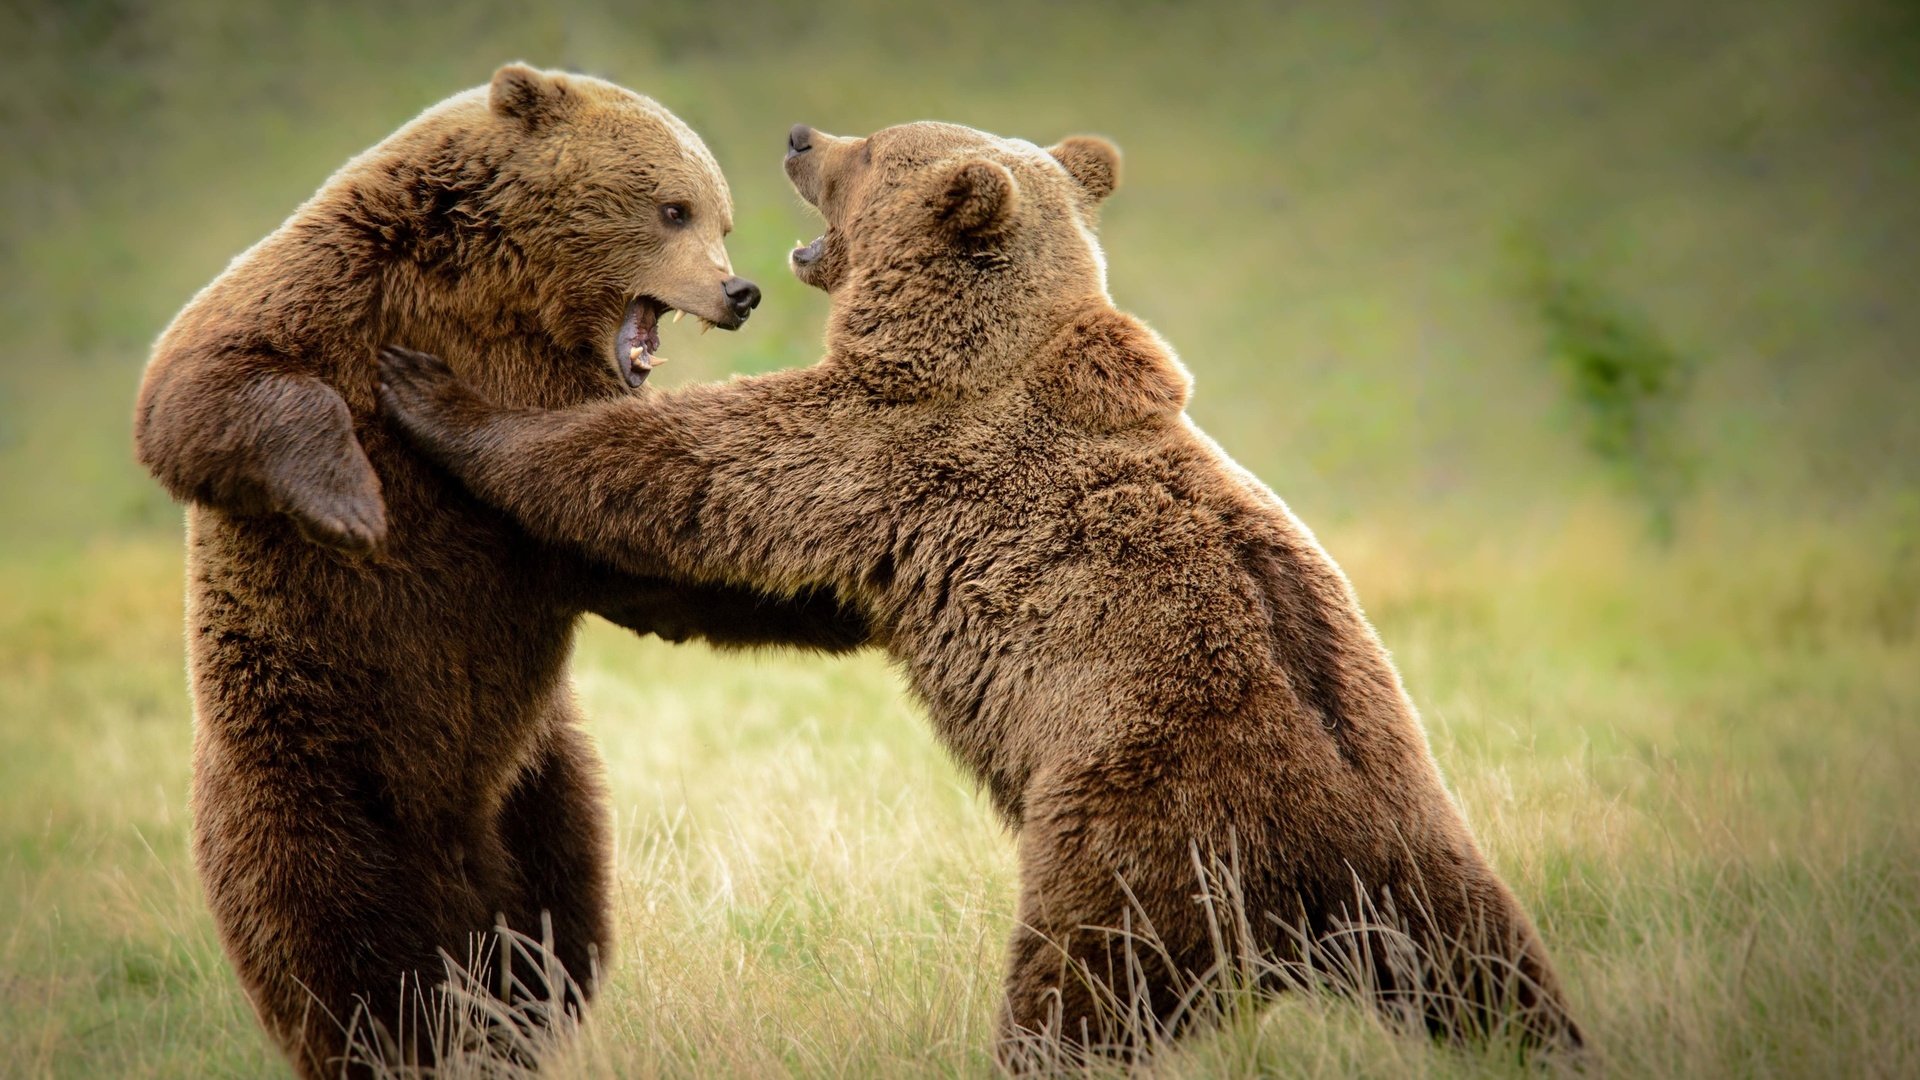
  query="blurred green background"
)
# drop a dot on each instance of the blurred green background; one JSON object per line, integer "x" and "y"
{"x": 1582, "y": 332}
{"x": 1325, "y": 209}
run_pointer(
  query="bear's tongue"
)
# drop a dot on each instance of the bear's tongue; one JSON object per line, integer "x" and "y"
{"x": 634, "y": 345}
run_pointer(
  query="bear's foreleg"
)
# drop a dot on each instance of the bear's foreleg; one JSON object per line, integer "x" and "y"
{"x": 726, "y": 483}
{"x": 731, "y": 617}
{"x": 241, "y": 434}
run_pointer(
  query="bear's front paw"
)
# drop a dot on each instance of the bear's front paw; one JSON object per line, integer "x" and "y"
{"x": 423, "y": 395}
{"x": 414, "y": 379}
{"x": 355, "y": 523}
{"x": 334, "y": 498}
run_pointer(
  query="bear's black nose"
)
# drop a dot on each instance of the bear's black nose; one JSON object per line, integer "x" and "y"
{"x": 799, "y": 140}
{"x": 742, "y": 295}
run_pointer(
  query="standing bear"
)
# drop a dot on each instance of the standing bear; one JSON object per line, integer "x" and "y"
{"x": 387, "y": 759}
{"x": 1145, "y": 658}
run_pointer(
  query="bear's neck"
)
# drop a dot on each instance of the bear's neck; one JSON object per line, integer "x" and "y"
{"x": 922, "y": 334}
{"x": 1091, "y": 365}
{"x": 486, "y": 329}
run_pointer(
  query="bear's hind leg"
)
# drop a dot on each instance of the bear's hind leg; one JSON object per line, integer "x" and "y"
{"x": 1436, "y": 941}
{"x": 555, "y": 830}
{"x": 1486, "y": 973}
{"x": 334, "y": 922}
{"x": 1098, "y": 968}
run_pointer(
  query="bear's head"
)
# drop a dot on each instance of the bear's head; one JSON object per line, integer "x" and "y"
{"x": 957, "y": 259}
{"x": 595, "y": 211}
{"x": 925, "y": 194}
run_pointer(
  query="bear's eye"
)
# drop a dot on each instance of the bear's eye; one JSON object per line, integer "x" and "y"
{"x": 675, "y": 214}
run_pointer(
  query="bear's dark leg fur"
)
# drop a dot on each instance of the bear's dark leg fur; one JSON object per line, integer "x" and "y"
{"x": 334, "y": 918}
{"x": 555, "y": 827}
{"x": 1099, "y": 962}
{"x": 245, "y": 432}
{"x": 1481, "y": 972}
{"x": 1132, "y": 928}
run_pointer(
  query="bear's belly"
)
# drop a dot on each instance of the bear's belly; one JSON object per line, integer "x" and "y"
{"x": 436, "y": 671}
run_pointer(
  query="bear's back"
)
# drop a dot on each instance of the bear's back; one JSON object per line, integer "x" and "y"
{"x": 1138, "y": 579}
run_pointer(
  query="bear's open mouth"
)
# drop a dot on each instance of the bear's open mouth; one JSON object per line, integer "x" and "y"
{"x": 639, "y": 338}
{"x": 822, "y": 264}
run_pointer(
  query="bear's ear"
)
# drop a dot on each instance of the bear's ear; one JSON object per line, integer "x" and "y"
{"x": 526, "y": 94}
{"x": 1092, "y": 161}
{"x": 977, "y": 199}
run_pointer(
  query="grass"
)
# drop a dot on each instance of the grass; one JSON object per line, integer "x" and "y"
{"x": 1693, "y": 762}
{"x": 1695, "y": 773}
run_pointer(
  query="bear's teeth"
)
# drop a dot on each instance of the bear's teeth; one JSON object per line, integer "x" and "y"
{"x": 656, "y": 361}
{"x": 634, "y": 353}
{"x": 676, "y": 314}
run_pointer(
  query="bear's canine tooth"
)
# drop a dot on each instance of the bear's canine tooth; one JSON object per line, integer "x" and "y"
{"x": 677, "y": 313}
{"x": 634, "y": 353}
{"x": 657, "y": 361}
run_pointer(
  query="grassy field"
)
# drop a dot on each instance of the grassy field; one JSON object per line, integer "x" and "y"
{"x": 1692, "y": 759}
{"x": 1697, "y": 775}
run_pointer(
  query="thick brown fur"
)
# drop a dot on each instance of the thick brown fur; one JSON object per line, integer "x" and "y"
{"x": 387, "y": 756}
{"x": 1147, "y": 660}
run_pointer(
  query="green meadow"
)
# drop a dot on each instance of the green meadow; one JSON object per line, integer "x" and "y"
{"x": 1581, "y": 334}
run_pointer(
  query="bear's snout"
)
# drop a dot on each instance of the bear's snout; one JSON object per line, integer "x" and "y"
{"x": 809, "y": 155}
{"x": 742, "y": 296}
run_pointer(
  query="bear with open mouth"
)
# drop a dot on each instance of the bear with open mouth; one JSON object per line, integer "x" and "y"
{"x": 1163, "y": 682}
{"x": 387, "y": 757}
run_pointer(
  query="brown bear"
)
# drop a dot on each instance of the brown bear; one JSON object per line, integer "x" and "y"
{"x": 387, "y": 758}
{"x": 1165, "y": 684}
